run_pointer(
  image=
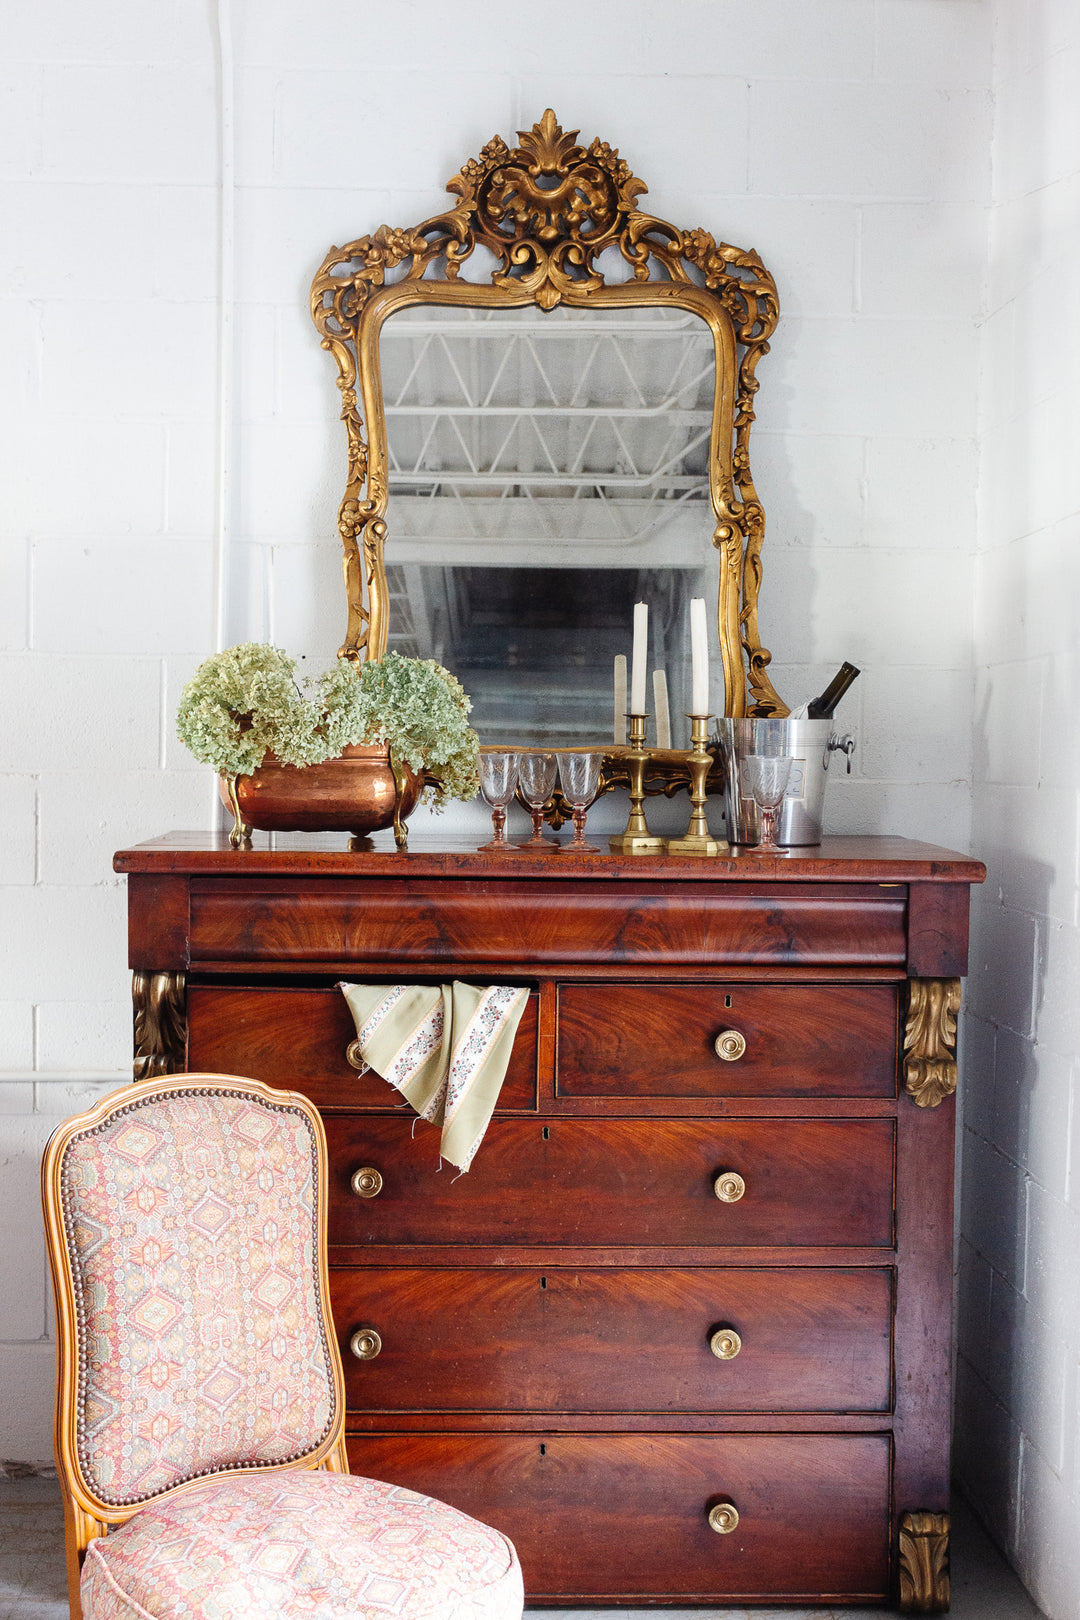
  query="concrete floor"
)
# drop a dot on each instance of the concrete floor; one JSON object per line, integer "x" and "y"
{"x": 33, "y": 1587}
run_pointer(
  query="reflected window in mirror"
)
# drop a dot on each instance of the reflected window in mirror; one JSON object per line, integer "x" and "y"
{"x": 535, "y": 647}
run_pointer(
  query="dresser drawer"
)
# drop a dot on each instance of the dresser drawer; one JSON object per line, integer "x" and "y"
{"x": 623, "y": 1518}
{"x": 619, "y": 1182}
{"x": 782, "y": 1040}
{"x": 521, "y": 1339}
{"x": 559, "y": 919}
{"x": 297, "y": 1038}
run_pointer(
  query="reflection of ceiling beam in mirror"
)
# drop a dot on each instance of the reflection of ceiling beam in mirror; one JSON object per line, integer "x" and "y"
{"x": 605, "y": 534}
{"x": 561, "y": 409}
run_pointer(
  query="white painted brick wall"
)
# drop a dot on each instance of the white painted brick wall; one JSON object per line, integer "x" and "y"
{"x": 848, "y": 141}
{"x": 1018, "y": 1405}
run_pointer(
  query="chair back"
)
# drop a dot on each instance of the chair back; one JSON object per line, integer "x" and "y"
{"x": 186, "y": 1225}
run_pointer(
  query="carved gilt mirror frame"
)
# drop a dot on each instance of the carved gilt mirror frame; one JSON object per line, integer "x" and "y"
{"x": 546, "y": 210}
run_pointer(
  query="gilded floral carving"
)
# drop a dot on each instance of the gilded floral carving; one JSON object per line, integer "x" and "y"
{"x": 924, "y": 1563}
{"x": 159, "y": 1004}
{"x": 930, "y": 1040}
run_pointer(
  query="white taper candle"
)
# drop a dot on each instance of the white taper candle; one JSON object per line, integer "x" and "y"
{"x": 660, "y": 704}
{"x": 620, "y": 698}
{"x": 637, "y": 667}
{"x": 699, "y": 658}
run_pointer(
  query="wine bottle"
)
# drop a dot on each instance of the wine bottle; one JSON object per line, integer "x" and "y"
{"x": 824, "y": 707}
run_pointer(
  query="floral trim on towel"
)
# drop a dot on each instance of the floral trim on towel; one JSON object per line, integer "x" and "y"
{"x": 481, "y": 1032}
{"x": 425, "y": 1039}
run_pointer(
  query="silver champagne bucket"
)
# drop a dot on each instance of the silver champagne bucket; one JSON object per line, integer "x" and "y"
{"x": 811, "y": 745}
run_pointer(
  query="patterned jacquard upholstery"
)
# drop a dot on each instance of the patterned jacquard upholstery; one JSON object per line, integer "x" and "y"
{"x": 297, "y": 1546}
{"x": 190, "y": 1221}
{"x": 186, "y": 1227}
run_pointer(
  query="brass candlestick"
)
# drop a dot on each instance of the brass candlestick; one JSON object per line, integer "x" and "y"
{"x": 697, "y": 839}
{"x": 637, "y": 839}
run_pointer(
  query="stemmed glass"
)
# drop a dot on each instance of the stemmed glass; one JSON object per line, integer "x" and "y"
{"x": 498, "y": 784}
{"x": 766, "y": 776}
{"x": 579, "y": 778}
{"x": 536, "y": 779}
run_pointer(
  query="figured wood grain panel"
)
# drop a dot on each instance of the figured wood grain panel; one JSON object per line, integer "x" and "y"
{"x": 329, "y": 920}
{"x": 157, "y": 922}
{"x": 634, "y": 1182}
{"x": 298, "y": 1038}
{"x": 923, "y": 1304}
{"x": 938, "y": 931}
{"x": 521, "y": 1339}
{"x": 624, "y": 1517}
{"x": 658, "y": 1040}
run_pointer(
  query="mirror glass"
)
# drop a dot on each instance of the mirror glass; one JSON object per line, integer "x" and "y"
{"x": 547, "y": 471}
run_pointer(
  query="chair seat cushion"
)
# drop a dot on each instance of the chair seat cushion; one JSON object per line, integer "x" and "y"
{"x": 300, "y": 1543}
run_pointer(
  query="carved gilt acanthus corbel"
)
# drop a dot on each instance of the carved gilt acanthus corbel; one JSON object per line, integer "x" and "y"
{"x": 930, "y": 1040}
{"x": 160, "y": 1007}
{"x": 924, "y": 1563}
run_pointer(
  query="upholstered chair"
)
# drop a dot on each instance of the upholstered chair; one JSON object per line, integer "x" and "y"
{"x": 200, "y": 1406}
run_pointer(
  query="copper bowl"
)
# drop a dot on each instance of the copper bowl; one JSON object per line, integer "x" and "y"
{"x": 354, "y": 793}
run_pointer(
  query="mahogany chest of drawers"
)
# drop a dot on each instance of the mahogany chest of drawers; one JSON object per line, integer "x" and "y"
{"x": 683, "y": 1331}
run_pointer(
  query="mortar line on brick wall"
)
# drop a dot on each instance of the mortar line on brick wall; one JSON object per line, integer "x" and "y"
{"x": 746, "y": 186}
{"x": 92, "y": 182}
{"x": 277, "y": 368}
{"x": 875, "y": 41}
{"x": 166, "y": 476}
{"x": 275, "y": 134}
{"x": 163, "y": 710}
{"x": 1038, "y": 964}
{"x": 28, "y": 559}
{"x": 1070, "y": 1141}
{"x": 1044, "y": 677}
{"x": 37, "y": 148}
{"x": 38, "y": 307}
{"x": 857, "y": 262}
{"x": 270, "y": 572}
{"x": 63, "y": 1077}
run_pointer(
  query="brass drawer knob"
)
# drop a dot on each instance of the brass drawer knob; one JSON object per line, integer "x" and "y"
{"x": 729, "y": 1186}
{"x": 366, "y": 1182}
{"x": 354, "y": 1057}
{"x": 725, "y": 1344}
{"x": 365, "y": 1344}
{"x": 723, "y": 1518}
{"x": 730, "y": 1045}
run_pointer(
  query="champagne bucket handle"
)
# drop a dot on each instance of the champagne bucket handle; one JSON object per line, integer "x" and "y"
{"x": 839, "y": 745}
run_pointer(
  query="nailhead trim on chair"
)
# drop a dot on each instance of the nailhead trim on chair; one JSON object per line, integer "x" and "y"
{"x": 80, "y": 1309}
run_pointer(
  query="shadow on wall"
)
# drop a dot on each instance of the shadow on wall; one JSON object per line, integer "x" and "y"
{"x": 1011, "y": 1366}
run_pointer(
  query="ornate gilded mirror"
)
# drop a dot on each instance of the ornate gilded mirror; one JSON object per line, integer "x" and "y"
{"x": 536, "y": 445}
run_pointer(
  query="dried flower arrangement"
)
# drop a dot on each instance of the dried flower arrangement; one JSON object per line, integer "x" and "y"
{"x": 244, "y": 703}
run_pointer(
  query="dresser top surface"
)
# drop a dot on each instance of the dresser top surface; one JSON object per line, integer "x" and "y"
{"x": 834, "y": 860}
